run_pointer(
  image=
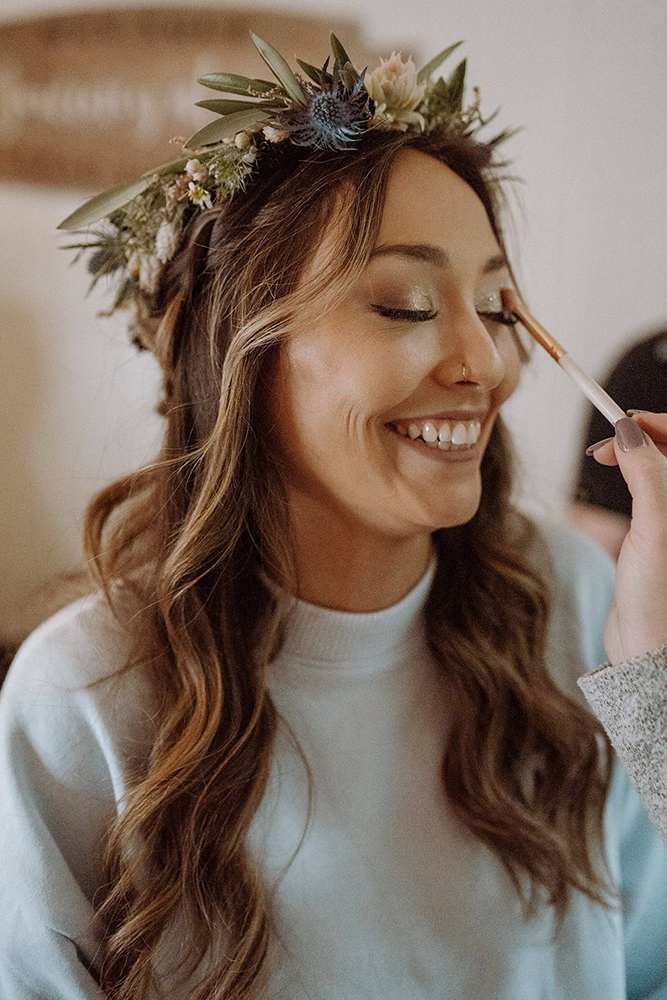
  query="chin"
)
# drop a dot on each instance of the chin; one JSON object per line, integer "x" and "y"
{"x": 459, "y": 511}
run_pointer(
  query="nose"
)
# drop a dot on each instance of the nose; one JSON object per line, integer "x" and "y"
{"x": 468, "y": 352}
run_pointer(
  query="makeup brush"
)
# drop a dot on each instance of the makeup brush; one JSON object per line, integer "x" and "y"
{"x": 598, "y": 397}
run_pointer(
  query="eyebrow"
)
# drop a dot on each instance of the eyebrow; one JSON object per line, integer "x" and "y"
{"x": 433, "y": 255}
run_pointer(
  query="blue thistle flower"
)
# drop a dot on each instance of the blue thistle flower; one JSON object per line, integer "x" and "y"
{"x": 334, "y": 116}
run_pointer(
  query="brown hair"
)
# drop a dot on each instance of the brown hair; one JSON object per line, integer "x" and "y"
{"x": 191, "y": 533}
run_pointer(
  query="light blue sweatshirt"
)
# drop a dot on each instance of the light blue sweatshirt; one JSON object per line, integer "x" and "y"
{"x": 388, "y": 897}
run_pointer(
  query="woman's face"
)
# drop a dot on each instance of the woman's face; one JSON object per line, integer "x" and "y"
{"x": 376, "y": 426}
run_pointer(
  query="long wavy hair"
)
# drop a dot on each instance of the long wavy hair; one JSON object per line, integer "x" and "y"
{"x": 195, "y": 534}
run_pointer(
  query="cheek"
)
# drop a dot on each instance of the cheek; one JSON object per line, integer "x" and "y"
{"x": 322, "y": 395}
{"x": 509, "y": 352}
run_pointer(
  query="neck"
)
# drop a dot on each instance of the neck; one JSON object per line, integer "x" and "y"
{"x": 349, "y": 567}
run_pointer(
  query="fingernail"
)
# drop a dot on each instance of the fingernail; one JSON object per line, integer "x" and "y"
{"x": 631, "y": 413}
{"x": 628, "y": 434}
{"x": 598, "y": 444}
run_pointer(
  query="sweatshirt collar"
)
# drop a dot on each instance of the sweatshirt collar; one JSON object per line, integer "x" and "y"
{"x": 322, "y": 636}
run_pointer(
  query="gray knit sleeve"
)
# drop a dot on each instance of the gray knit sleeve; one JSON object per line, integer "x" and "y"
{"x": 630, "y": 700}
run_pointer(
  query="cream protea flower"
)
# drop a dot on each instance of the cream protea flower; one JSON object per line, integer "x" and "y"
{"x": 395, "y": 92}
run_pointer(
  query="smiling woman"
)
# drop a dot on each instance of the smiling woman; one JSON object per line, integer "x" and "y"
{"x": 321, "y": 713}
{"x": 382, "y": 436}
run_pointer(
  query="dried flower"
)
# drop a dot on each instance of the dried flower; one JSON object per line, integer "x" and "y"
{"x": 149, "y": 272}
{"x": 241, "y": 140}
{"x": 166, "y": 242}
{"x": 272, "y": 134}
{"x": 197, "y": 170}
{"x": 199, "y": 195}
{"x": 175, "y": 191}
{"x": 395, "y": 92}
{"x": 333, "y": 118}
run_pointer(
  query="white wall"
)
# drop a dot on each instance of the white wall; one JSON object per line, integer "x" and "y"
{"x": 587, "y": 82}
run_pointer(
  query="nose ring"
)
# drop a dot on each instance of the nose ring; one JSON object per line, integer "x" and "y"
{"x": 463, "y": 372}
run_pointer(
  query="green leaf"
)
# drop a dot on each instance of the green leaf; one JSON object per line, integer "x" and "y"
{"x": 103, "y": 204}
{"x": 503, "y": 136}
{"x": 173, "y": 167}
{"x": 339, "y": 52}
{"x": 230, "y": 107}
{"x": 313, "y": 72}
{"x": 427, "y": 71}
{"x": 455, "y": 85}
{"x": 349, "y": 76}
{"x": 230, "y": 83}
{"x": 280, "y": 69}
{"x": 439, "y": 89}
{"x": 220, "y": 128}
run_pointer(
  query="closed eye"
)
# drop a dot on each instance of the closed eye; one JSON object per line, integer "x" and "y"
{"x": 409, "y": 315}
{"x": 507, "y": 319}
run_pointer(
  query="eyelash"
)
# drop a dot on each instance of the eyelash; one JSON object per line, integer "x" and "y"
{"x": 412, "y": 315}
{"x": 422, "y": 315}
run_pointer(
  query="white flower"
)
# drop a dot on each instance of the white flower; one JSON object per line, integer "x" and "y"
{"x": 241, "y": 140}
{"x": 133, "y": 263}
{"x": 166, "y": 241}
{"x": 199, "y": 195}
{"x": 394, "y": 89}
{"x": 149, "y": 271}
{"x": 272, "y": 134}
{"x": 197, "y": 170}
{"x": 249, "y": 156}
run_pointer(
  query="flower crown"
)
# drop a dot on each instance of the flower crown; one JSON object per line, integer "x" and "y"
{"x": 140, "y": 223}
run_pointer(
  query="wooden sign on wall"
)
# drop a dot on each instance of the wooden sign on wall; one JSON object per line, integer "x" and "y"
{"x": 88, "y": 100}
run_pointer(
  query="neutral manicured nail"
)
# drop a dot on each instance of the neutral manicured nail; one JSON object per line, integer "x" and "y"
{"x": 598, "y": 444}
{"x": 629, "y": 434}
{"x": 631, "y": 413}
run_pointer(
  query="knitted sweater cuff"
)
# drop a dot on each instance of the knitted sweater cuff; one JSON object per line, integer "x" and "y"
{"x": 630, "y": 700}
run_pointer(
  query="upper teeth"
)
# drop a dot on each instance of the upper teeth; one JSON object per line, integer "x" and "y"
{"x": 442, "y": 433}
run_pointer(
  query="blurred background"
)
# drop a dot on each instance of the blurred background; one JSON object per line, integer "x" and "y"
{"x": 91, "y": 93}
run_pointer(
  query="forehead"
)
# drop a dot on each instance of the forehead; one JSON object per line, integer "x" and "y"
{"x": 428, "y": 203}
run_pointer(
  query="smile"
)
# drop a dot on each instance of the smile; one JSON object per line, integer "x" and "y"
{"x": 447, "y": 435}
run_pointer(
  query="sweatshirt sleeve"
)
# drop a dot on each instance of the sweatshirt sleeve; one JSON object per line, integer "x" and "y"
{"x": 630, "y": 699}
{"x": 60, "y": 781}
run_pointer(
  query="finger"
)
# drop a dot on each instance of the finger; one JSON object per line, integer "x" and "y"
{"x": 603, "y": 452}
{"x": 643, "y": 466}
{"x": 655, "y": 424}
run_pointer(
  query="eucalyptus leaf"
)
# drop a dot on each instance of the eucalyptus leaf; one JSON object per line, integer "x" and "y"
{"x": 221, "y": 128}
{"x": 223, "y": 107}
{"x": 313, "y": 72}
{"x": 280, "y": 69}
{"x": 455, "y": 85}
{"x": 231, "y": 83}
{"x": 103, "y": 204}
{"x": 173, "y": 167}
{"x": 427, "y": 71}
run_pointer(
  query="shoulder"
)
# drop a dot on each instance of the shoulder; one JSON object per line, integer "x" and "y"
{"x": 580, "y": 577}
{"x": 67, "y": 686}
{"x": 79, "y": 645}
